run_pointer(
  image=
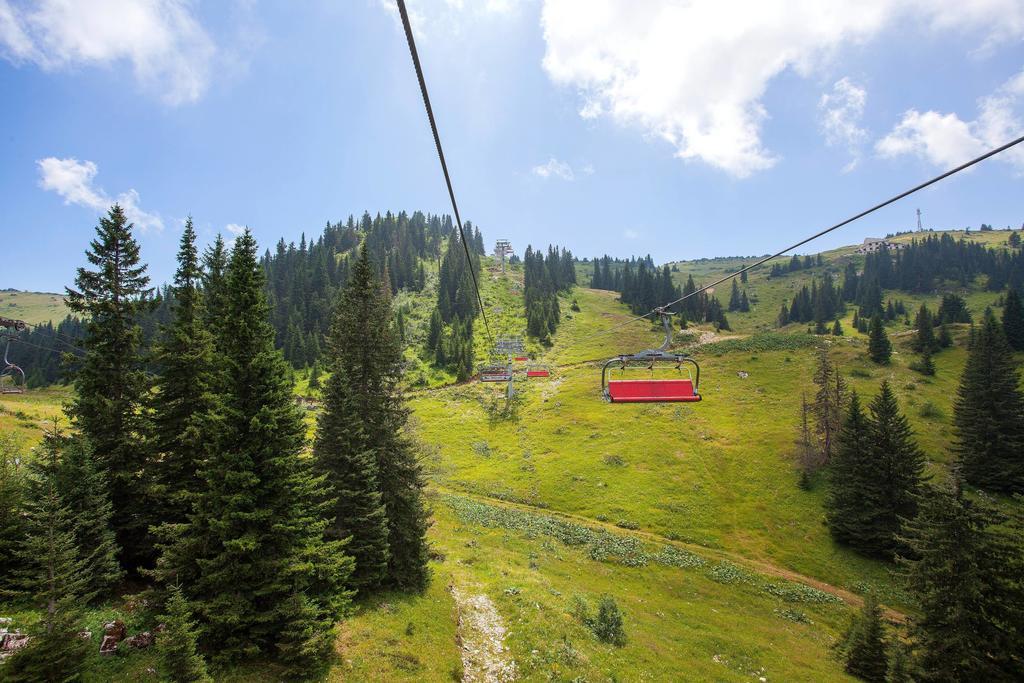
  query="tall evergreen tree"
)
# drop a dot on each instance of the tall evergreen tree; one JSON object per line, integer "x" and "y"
{"x": 184, "y": 391}
{"x": 879, "y": 346}
{"x": 252, "y": 556}
{"x": 361, "y": 444}
{"x": 924, "y": 338}
{"x": 214, "y": 286}
{"x": 12, "y": 525}
{"x": 110, "y": 382}
{"x": 828, "y": 404}
{"x": 1013, "y": 320}
{"x": 734, "y": 297}
{"x": 54, "y": 578}
{"x": 363, "y": 355}
{"x": 865, "y": 647}
{"x": 897, "y": 466}
{"x": 850, "y": 491}
{"x": 966, "y": 575}
{"x": 83, "y": 488}
{"x": 180, "y": 662}
{"x": 988, "y": 413}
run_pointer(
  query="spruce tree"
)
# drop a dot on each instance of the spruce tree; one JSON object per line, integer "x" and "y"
{"x": 53, "y": 578}
{"x": 988, "y": 413}
{"x": 12, "y": 525}
{"x": 896, "y": 466}
{"x": 214, "y": 285}
{"x": 828, "y": 404}
{"x": 179, "y": 660}
{"x": 83, "y": 488}
{"x": 899, "y": 669}
{"x": 109, "y": 380}
{"x": 184, "y": 392}
{"x": 362, "y": 349}
{"x": 837, "y": 329}
{"x": 965, "y": 574}
{"x": 879, "y": 346}
{"x": 924, "y": 338}
{"x": 734, "y": 297}
{"x": 926, "y": 366}
{"x": 360, "y": 443}
{"x": 252, "y": 556}
{"x": 945, "y": 339}
{"x": 1013, "y": 320}
{"x": 865, "y": 647}
{"x": 850, "y": 491}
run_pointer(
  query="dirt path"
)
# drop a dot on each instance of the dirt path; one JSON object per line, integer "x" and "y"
{"x": 485, "y": 659}
{"x": 759, "y": 566}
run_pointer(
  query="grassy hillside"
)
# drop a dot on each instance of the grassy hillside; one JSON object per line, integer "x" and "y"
{"x": 32, "y": 307}
{"x": 688, "y": 515}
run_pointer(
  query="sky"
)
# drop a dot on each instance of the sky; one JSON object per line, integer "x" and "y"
{"x": 680, "y": 129}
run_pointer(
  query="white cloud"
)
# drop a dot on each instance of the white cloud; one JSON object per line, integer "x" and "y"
{"x": 555, "y": 168}
{"x": 946, "y": 140}
{"x": 73, "y": 180}
{"x": 841, "y": 112}
{"x": 169, "y": 51}
{"x": 235, "y": 229}
{"x": 630, "y": 234}
{"x": 588, "y": 169}
{"x": 694, "y": 73}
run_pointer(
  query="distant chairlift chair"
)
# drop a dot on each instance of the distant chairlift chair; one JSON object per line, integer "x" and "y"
{"x": 495, "y": 373}
{"x": 536, "y": 371}
{"x": 652, "y": 390}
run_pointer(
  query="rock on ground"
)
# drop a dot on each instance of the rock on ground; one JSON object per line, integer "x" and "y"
{"x": 485, "y": 659}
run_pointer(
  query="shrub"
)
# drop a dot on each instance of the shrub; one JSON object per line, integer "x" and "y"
{"x": 608, "y": 625}
{"x": 859, "y": 372}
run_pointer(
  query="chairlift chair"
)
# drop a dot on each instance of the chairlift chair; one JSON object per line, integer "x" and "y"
{"x": 652, "y": 390}
{"x": 495, "y": 373}
{"x": 537, "y": 371}
{"x": 12, "y": 378}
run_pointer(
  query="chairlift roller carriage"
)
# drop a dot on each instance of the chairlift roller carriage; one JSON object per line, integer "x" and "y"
{"x": 652, "y": 390}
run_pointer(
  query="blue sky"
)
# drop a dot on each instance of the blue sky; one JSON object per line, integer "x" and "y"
{"x": 684, "y": 130}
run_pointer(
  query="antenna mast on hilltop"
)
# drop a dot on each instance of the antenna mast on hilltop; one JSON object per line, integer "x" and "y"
{"x": 919, "y": 228}
{"x": 501, "y": 248}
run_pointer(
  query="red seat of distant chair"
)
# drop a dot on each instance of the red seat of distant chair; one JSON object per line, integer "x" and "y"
{"x": 651, "y": 390}
{"x": 537, "y": 373}
{"x": 521, "y": 358}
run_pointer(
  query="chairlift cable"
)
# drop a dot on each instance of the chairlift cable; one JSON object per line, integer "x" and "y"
{"x": 60, "y": 337}
{"x": 18, "y": 340}
{"x": 440, "y": 155}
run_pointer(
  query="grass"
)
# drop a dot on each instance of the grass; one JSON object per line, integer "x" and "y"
{"x": 32, "y": 307}
{"x": 688, "y": 515}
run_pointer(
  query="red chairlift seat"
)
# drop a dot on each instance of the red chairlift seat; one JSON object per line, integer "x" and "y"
{"x": 521, "y": 359}
{"x": 652, "y": 390}
{"x": 538, "y": 371}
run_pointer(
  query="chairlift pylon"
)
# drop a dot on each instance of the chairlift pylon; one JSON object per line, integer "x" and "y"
{"x": 652, "y": 390}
